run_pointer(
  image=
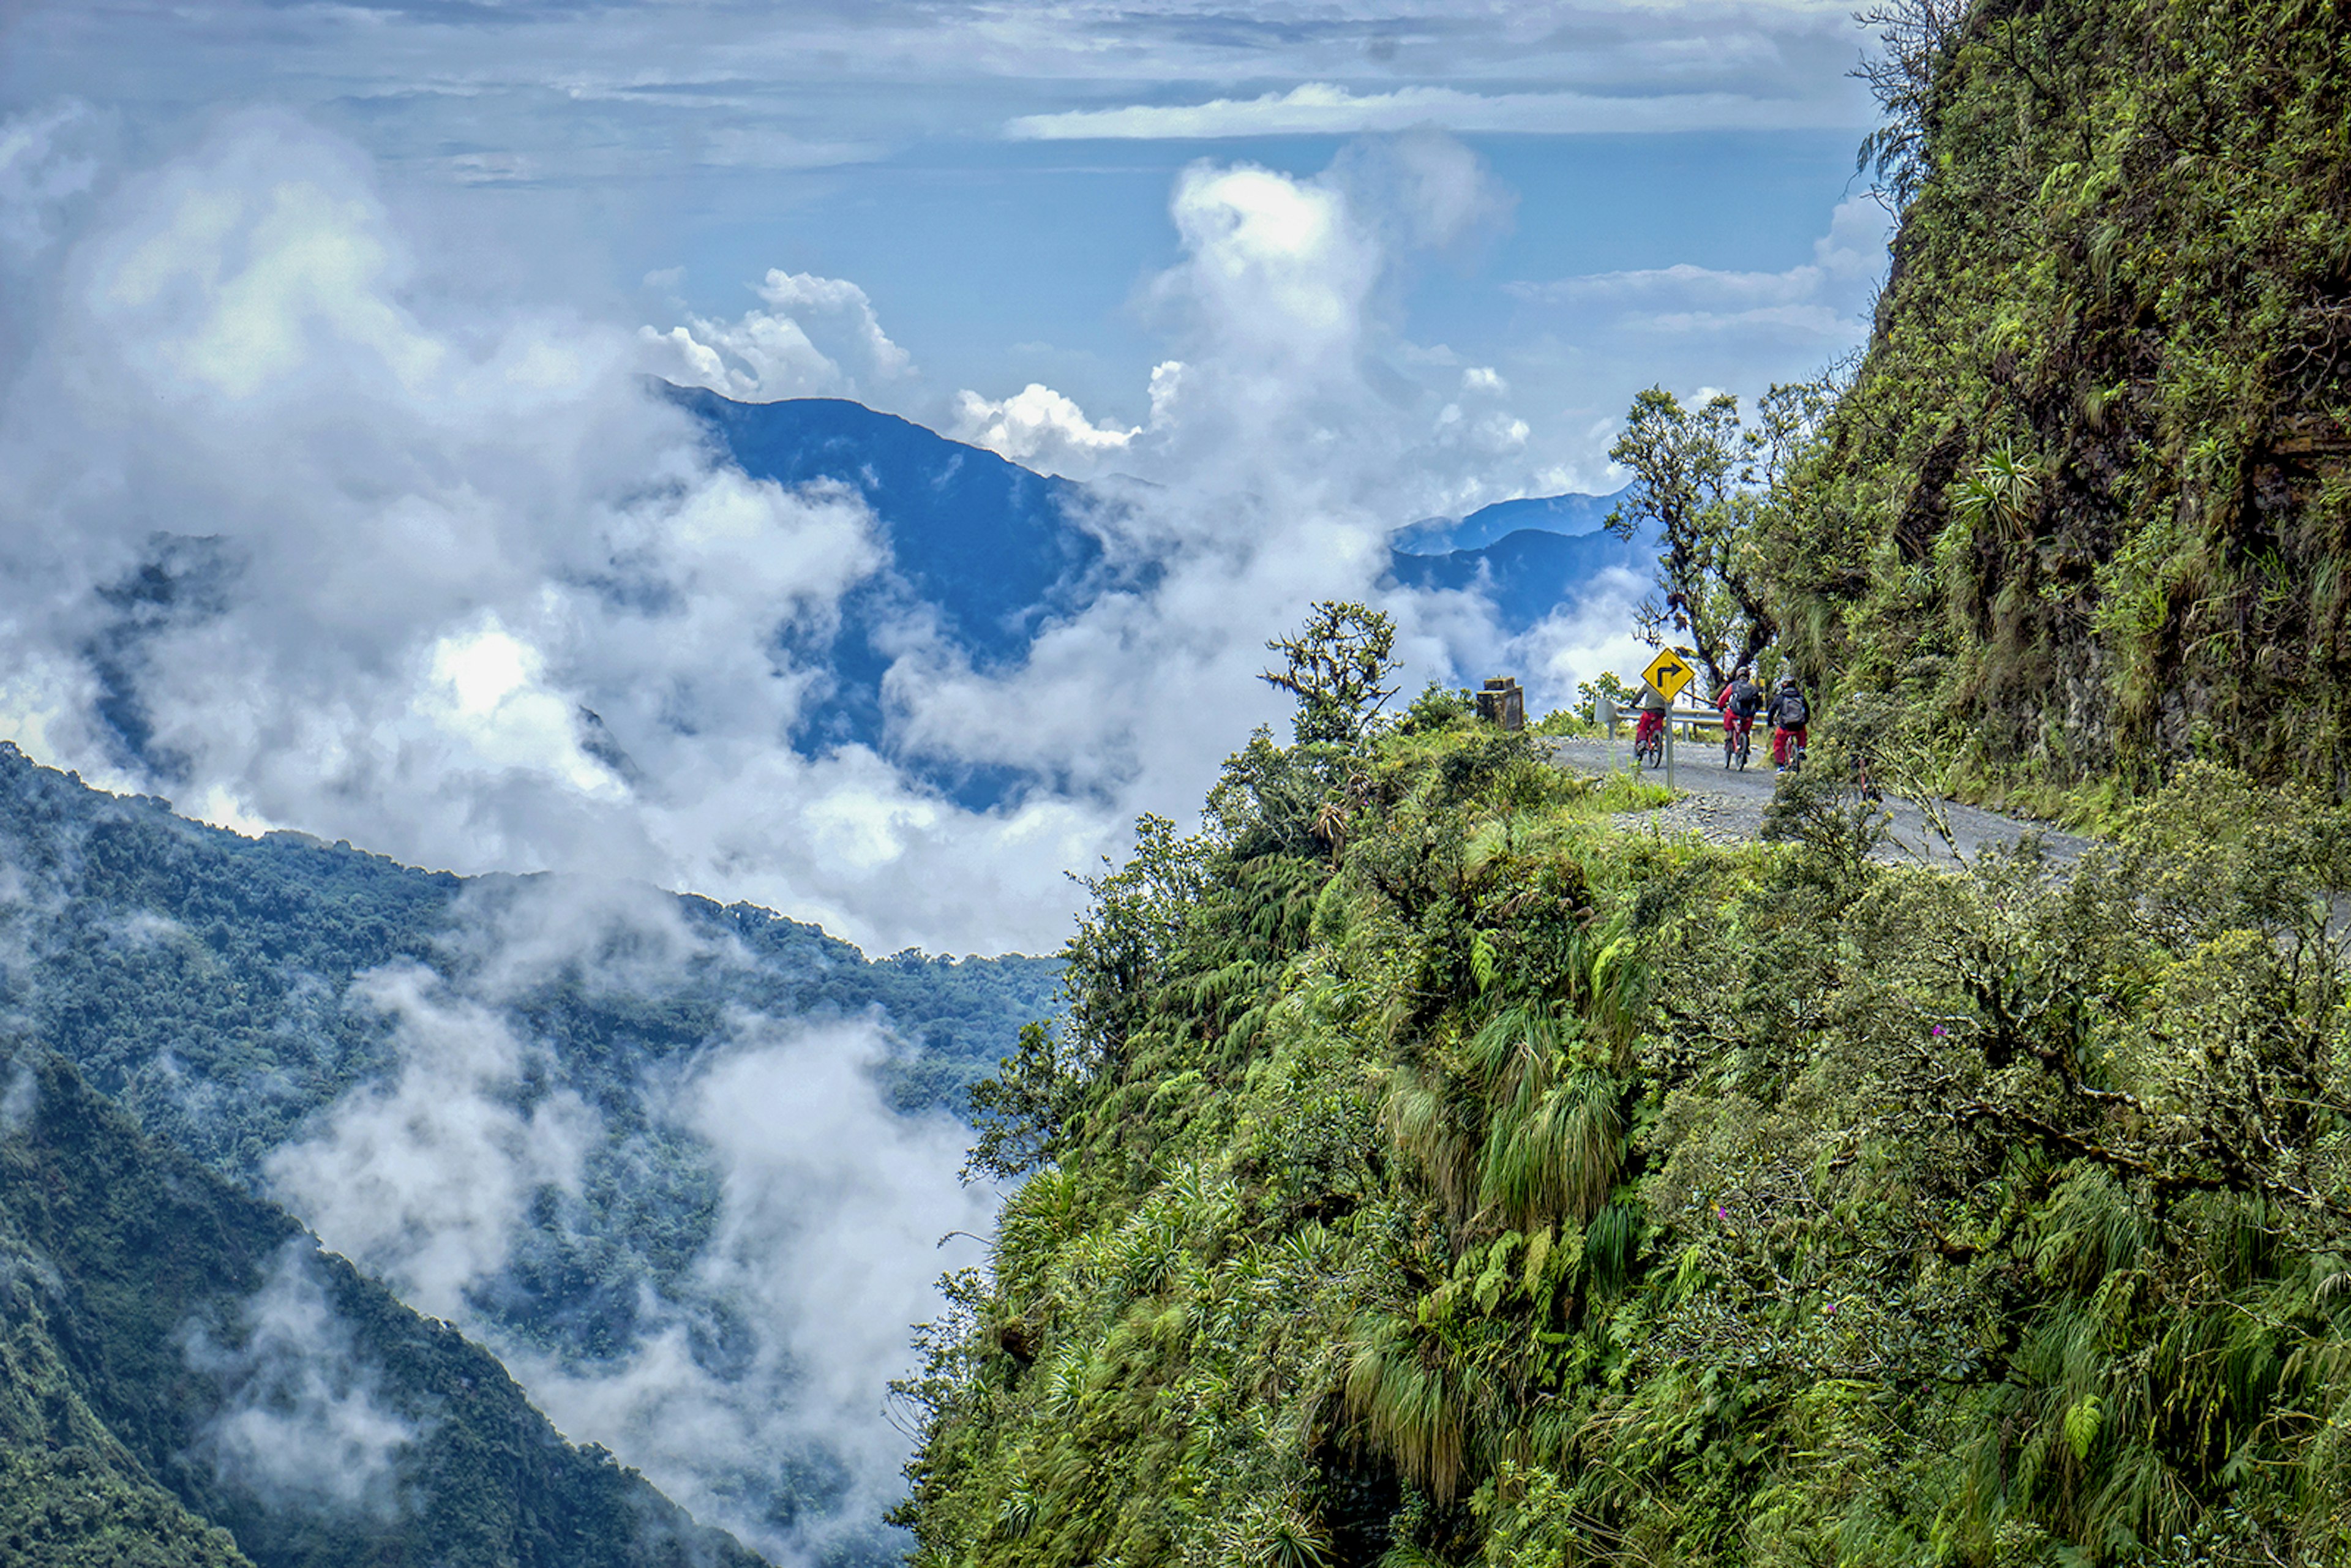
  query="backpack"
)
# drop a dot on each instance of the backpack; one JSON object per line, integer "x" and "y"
{"x": 1792, "y": 712}
{"x": 1745, "y": 699}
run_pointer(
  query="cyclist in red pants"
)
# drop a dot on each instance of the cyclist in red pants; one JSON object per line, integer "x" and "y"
{"x": 1653, "y": 708}
{"x": 1740, "y": 701}
{"x": 1791, "y": 718}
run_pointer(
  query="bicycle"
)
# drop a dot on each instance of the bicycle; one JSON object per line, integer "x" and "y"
{"x": 1649, "y": 741}
{"x": 1737, "y": 738}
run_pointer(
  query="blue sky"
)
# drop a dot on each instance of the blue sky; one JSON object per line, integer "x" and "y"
{"x": 995, "y": 178}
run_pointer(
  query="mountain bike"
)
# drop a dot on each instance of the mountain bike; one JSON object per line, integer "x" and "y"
{"x": 1649, "y": 741}
{"x": 1737, "y": 737}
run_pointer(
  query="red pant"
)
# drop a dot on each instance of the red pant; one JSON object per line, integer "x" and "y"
{"x": 1652, "y": 722}
{"x": 1779, "y": 739}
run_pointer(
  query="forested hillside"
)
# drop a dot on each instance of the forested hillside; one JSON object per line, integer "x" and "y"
{"x": 2085, "y": 508}
{"x": 1435, "y": 1172}
{"x": 237, "y": 996}
{"x": 176, "y": 1357}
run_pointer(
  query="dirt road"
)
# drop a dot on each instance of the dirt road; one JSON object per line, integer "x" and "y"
{"x": 1726, "y": 806}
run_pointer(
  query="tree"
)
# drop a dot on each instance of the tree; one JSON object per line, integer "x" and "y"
{"x": 1704, "y": 481}
{"x": 1334, "y": 665}
{"x": 1688, "y": 465}
{"x": 1919, "y": 36}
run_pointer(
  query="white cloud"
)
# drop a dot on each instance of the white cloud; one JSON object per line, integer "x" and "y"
{"x": 828, "y": 1245}
{"x": 300, "y": 1425}
{"x": 424, "y": 1179}
{"x": 485, "y": 605}
{"x": 1040, "y": 428}
{"x": 1329, "y": 109}
{"x": 1820, "y": 298}
{"x": 489, "y": 689}
{"x": 773, "y": 353}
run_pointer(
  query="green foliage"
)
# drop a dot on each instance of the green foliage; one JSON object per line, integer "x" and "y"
{"x": 1699, "y": 482}
{"x": 1333, "y": 665}
{"x": 2086, "y": 509}
{"x": 1438, "y": 706}
{"x": 67, "y": 1508}
{"x": 119, "y": 1259}
{"x": 1517, "y": 1193}
{"x": 1917, "y": 38}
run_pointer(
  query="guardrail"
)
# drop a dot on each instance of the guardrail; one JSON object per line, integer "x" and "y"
{"x": 1608, "y": 716}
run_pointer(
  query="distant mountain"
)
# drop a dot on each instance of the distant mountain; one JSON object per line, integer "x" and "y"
{"x": 994, "y": 551}
{"x": 1573, "y": 514}
{"x": 187, "y": 1382}
{"x": 991, "y": 550}
{"x": 1527, "y": 573}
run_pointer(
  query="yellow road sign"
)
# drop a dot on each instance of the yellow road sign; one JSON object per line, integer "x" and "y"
{"x": 1669, "y": 674}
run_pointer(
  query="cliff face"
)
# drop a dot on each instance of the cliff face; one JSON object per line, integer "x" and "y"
{"x": 2087, "y": 503}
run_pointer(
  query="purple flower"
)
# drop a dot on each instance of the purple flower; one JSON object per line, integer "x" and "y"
{"x": 1938, "y": 1031}
{"x": 1830, "y": 1310}
{"x": 1722, "y": 1211}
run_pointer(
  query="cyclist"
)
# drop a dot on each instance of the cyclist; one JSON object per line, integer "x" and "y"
{"x": 1653, "y": 708}
{"x": 1740, "y": 701}
{"x": 1790, "y": 717}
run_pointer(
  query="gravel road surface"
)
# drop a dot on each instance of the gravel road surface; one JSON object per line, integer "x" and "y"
{"x": 1724, "y": 805}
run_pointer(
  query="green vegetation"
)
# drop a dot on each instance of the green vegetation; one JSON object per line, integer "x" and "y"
{"x": 1333, "y": 666}
{"x": 1428, "y": 1174}
{"x": 2085, "y": 510}
{"x": 1702, "y": 482}
{"x": 153, "y": 1414}
{"x": 206, "y": 982}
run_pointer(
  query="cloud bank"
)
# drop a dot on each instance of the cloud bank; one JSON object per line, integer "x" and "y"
{"x": 837, "y": 1217}
{"x": 307, "y": 534}
{"x": 1823, "y": 298}
{"x": 425, "y": 1179}
{"x": 773, "y": 353}
{"x": 759, "y": 1373}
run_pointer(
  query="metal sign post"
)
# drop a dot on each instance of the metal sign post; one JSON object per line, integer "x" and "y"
{"x": 1669, "y": 752}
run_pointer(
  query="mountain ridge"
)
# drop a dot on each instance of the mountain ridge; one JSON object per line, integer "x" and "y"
{"x": 138, "y": 1328}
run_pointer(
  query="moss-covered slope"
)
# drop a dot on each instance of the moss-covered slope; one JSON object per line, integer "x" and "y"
{"x": 180, "y": 1366}
{"x": 2088, "y": 501}
{"x": 1524, "y": 1191}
